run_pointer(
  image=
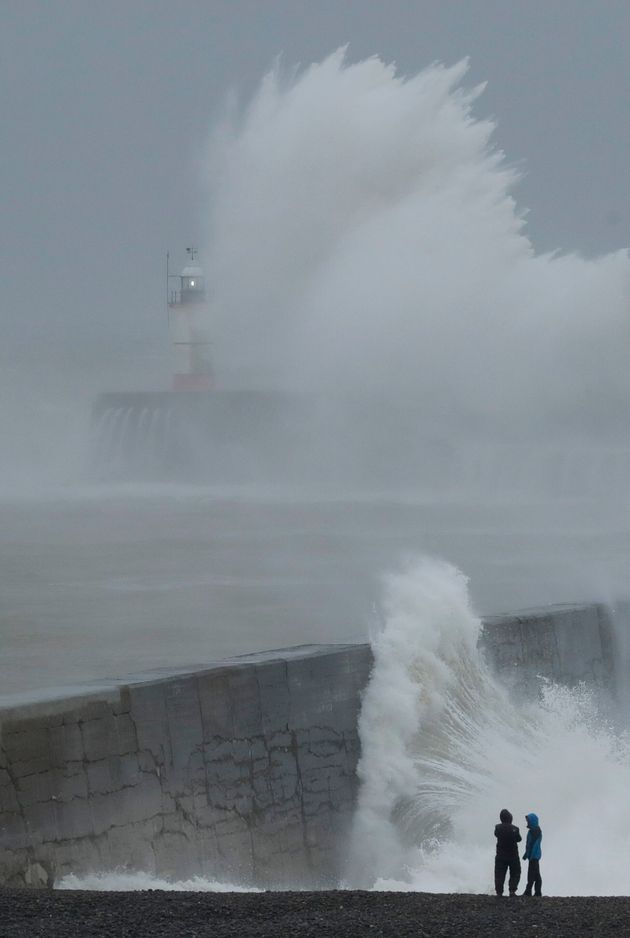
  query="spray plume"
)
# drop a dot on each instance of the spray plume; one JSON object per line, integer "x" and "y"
{"x": 444, "y": 748}
{"x": 365, "y": 240}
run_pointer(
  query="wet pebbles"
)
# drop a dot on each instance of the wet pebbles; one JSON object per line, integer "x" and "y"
{"x": 155, "y": 914}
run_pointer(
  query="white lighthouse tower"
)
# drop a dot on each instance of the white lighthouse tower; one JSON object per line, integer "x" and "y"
{"x": 188, "y": 317}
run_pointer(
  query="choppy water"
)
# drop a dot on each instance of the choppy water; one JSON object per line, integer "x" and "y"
{"x": 107, "y": 582}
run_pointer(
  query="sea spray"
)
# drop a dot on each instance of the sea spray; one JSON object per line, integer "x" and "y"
{"x": 366, "y": 241}
{"x": 444, "y": 748}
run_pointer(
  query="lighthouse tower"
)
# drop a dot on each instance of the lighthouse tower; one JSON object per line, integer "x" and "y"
{"x": 188, "y": 315}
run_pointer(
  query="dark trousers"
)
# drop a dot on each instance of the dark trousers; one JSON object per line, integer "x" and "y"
{"x": 501, "y": 865}
{"x": 534, "y": 878}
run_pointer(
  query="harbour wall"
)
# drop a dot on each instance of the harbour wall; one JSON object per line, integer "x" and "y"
{"x": 247, "y": 436}
{"x": 241, "y": 771}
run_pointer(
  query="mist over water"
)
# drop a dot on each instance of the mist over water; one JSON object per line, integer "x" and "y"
{"x": 445, "y": 748}
{"x": 366, "y": 248}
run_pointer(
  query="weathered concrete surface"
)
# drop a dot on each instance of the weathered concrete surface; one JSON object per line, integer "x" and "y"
{"x": 242, "y": 771}
{"x": 567, "y": 644}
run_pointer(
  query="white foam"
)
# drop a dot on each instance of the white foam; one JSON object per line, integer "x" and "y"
{"x": 118, "y": 881}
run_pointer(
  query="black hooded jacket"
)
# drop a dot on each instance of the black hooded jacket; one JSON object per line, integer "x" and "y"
{"x": 508, "y": 836}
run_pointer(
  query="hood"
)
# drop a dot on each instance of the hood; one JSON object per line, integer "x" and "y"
{"x": 532, "y": 820}
{"x": 505, "y": 816}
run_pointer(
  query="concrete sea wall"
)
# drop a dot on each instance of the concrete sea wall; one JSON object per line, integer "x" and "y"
{"x": 244, "y": 770}
{"x": 567, "y": 644}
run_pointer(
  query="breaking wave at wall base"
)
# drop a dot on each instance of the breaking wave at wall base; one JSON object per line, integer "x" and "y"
{"x": 445, "y": 748}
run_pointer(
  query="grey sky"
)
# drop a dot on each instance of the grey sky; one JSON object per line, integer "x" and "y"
{"x": 107, "y": 106}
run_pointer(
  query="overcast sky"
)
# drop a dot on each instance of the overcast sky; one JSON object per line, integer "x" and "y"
{"x": 107, "y": 107}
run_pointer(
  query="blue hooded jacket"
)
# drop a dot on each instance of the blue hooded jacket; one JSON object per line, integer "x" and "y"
{"x": 533, "y": 844}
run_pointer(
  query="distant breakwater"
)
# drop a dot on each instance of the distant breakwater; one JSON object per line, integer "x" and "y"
{"x": 241, "y": 771}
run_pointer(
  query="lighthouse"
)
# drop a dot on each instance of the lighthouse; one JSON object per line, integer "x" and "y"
{"x": 188, "y": 319}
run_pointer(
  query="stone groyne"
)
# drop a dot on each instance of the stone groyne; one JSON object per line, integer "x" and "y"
{"x": 240, "y": 771}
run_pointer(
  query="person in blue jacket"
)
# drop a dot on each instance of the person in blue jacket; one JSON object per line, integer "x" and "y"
{"x": 533, "y": 853}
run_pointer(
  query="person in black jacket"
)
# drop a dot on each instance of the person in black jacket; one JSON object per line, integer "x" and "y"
{"x": 508, "y": 836}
